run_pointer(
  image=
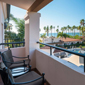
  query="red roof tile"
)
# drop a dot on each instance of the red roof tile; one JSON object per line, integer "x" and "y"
{"x": 69, "y": 39}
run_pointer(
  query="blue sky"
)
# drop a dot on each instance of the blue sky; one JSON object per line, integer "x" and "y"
{"x": 58, "y": 12}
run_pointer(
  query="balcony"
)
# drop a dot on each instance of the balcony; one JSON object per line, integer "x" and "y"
{"x": 57, "y": 71}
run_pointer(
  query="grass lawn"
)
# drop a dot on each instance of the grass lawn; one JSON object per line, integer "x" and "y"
{"x": 82, "y": 47}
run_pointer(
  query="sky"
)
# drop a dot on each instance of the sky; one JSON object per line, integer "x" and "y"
{"x": 57, "y": 13}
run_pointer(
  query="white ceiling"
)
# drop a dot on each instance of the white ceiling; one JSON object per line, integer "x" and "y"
{"x": 24, "y": 4}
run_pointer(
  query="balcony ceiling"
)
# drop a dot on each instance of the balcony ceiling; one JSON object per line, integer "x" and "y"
{"x": 29, "y": 5}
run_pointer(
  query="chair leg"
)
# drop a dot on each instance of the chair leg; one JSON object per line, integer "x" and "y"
{"x": 43, "y": 78}
{"x": 30, "y": 67}
{"x": 24, "y": 65}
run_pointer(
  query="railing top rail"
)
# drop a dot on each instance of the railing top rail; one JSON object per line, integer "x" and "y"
{"x": 79, "y": 54}
{"x": 12, "y": 43}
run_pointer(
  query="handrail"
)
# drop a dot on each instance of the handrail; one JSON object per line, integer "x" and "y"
{"x": 12, "y": 43}
{"x": 79, "y": 54}
{"x": 51, "y": 46}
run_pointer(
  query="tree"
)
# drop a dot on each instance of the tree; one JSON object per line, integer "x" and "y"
{"x": 65, "y": 28}
{"x": 20, "y": 25}
{"x": 79, "y": 28}
{"x": 43, "y": 36}
{"x": 62, "y": 29}
{"x": 54, "y": 31}
{"x": 57, "y": 30}
{"x": 68, "y": 27}
{"x": 82, "y": 22}
{"x": 63, "y": 35}
{"x": 51, "y": 27}
{"x": 9, "y": 26}
{"x": 44, "y": 28}
{"x": 82, "y": 27}
{"x": 74, "y": 27}
{"x": 72, "y": 30}
{"x": 10, "y": 35}
{"x": 47, "y": 30}
{"x": 57, "y": 26}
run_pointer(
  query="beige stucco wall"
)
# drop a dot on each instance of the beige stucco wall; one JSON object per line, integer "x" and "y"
{"x": 58, "y": 71}
{"x": 3, "y": 16}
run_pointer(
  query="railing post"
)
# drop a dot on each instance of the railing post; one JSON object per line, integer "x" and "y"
{"x": 50, "y": 50}
{"x": 84, "y": 64}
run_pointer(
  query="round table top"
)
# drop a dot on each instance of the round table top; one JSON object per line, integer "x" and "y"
{"x": 19, "y": 71}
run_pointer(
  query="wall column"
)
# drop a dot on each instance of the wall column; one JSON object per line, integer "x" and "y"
{"x": 32, "y": 25}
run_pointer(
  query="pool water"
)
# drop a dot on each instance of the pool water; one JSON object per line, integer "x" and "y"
{"x": 74, "y": 51}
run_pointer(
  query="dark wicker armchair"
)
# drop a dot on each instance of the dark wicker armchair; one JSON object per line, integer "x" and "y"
{"x": 9, "y": 62}
{"x": 30, "y": 78}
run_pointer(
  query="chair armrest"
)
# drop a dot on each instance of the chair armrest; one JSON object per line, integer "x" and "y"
{"x": 19, "y": 83}
{"x": 19, "y": 57}
{"x": 14, "y": 62}
{"x": 23, "y": 58}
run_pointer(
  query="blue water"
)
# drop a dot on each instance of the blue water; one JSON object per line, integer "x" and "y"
{"x": 55, "y": 34}
{"x": 74, "y": 51}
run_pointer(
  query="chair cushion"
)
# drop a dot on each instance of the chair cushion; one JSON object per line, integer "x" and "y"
{"x": 16, "y": 65}
{"x": 19, "y": 65}
{"x": 28, "y": 77}
{"x": 7, "y": 56}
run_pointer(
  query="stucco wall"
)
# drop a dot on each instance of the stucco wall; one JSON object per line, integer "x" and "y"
{"x": 58, "y": 71}
{"x": 1, "y": 23}
{"x": 2, "y": 16}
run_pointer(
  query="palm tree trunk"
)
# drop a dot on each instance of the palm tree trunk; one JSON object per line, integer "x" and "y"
{"x": 47, "y": 34}
{"x": 51, "y": 32}
{"x": 74, "y": 32}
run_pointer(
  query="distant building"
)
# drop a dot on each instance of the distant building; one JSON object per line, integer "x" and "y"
{"x": 69, "y": 41}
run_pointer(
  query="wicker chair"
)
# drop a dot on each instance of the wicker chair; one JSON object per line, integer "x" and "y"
{"x": 30, "y": 78}
{"x": 9, "y": 62}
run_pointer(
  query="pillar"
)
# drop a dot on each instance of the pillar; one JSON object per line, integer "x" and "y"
{"x": 32, "y": 25}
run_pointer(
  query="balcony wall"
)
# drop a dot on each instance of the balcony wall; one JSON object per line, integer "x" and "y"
{"x": 19, "y": 52}
{"x": 58, "y": 71}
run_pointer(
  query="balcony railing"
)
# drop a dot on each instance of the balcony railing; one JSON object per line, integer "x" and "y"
{"x": 65, "y": 50}
{"x": 14, "y": 44}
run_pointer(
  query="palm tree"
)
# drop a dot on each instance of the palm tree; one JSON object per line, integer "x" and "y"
{"x": 82, "y": 27}
{"x": 79, "y": 28}
{"x": 57, "y": 30}
{"x": 47, "y": 30}
{"x": 43, "y": 36}
{"x": 74, "y": 27}
{"x": 9, "y": 26}
{"x": 54, "y": 31}
{"x": 44, "y": 28}
{"x": 63, "y": 35}
{"x": 20, "y": 25}
{"x": 62, "y": 29}
{"x": 68, "y": 27}
{"x": 65, "y": 29}
{"x": 57, "y": 26}
{"x": 51, "y": 27}
{"x": 82, "y": 22}
{"x": 71, "y": 30}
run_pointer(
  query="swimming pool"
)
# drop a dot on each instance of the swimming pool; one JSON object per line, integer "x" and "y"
{"x": 75, "y": 50}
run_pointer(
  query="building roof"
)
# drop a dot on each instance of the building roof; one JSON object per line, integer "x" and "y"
{"x": 56, "y": 50}
{"x": 69, "y": 39}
